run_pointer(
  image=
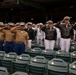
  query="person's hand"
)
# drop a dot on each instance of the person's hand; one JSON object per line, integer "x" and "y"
{"x": 26, "y": 46}
{"x": 4, "y": 44}
{"x": 31, "y": 41}
{"x": 47, "y": 25}
{"x": 17, "y": 26}
{"x": 3, "y": 27}
{"x": 71, "y": 40}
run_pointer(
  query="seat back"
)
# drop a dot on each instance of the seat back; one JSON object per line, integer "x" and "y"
{"x": 3, "y": 71}
{"x": 37, "y": 48}
{"x": 7, "y": 61}
{"x": 73, "y": 48}
{"x": 63, "y": 55}
{"x": 22, "y": 63}
{"x": 73, "y": 56}
{"x": 73, "y": 43}
{"x": 35, "y": 45}
{"x": 58, "y": 66}
{"x": 38, "y": 61}
{"x": 49, "y": 54}
{"x": 35, "y": 51}
{"x": 23, "y": 58}
{"x": 38, "y": 65}
{"x": 56, "y": 48}
{"x": 27, "y": 50}
{"x": 10, "y": 56}
{"x": 19, "y": 73}
{"x": 2, "y": 53}
{"x": 72, "y": 68}
{"x": 42, "y": 47}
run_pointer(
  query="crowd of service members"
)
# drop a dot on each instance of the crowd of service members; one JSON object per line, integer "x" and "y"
{"x": 17, "y": 37}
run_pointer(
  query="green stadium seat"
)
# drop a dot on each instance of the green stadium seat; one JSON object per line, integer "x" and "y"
{"x": 38, "y": 65}
{"x": 72, "y": 48}
{"x": 73, "y": 56}
{"x": 57, "y": 67}
{"x": 19, "y": 73}
{"x": 72, "y": 68}
{"x": 27, "y": 50}
{"x": 35, "y": 45}
{"x": 73, "y": 43}
{"x": 48, "y": 54}
{"x": 3, "y": 71}
{"x": 22, "y": 63}
{"x": 63, "y": 55}
{"x": 2, "y": 53}
{"x": 42, "y": 47}
{"x": 35, "y": 51}
{"x": 56, "y": 48}
{"x": 8, "y": 59}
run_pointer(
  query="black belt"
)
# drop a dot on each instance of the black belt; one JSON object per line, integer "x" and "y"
{"x": 19, "y": 42}
{"x": 1, "y": 40}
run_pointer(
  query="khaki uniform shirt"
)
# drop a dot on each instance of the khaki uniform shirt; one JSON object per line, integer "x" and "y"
{"x": 2, "y": 36}
{"x": 21, "y": 36}
{"x": 9, "y": 36}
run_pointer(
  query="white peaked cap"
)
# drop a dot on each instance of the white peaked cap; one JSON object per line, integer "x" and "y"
{"x": 22, "y": 23}
{"x": 50, "y": 21}
{"x": 67, "y": 17}
{"x": 17, "y": 23}
{"x": 40, "y": 23}
{"x": 10, "y": 23}
{"x": 1, "y": 23}
{"x": 29, "y": 23}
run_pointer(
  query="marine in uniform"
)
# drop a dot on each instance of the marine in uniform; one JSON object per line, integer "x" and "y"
{"x": 50, "y": 35}
{"x": 21, "y": 38}
{"x": 9, "y": 38}
{"x": 2, "y": 36}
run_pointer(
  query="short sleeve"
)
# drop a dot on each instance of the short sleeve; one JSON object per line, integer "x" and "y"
{"x": 15, "y": 31}
{"x": 27, "y": 36}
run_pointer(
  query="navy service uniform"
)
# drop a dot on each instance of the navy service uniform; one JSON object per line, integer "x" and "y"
{"x": 50, "y": 36}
